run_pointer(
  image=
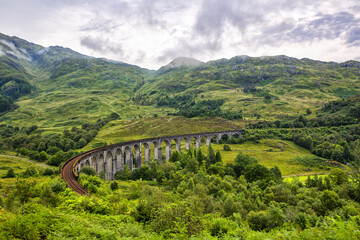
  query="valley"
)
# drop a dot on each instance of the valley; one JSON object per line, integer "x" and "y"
{"x": 293, "y": 173}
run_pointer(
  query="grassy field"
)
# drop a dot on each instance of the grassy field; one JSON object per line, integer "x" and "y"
{"x": 60, "y": 109}
{"x": 17, "y": 164}
{"x": 269, "y": 153}
{"x": 19, "y": 167}
{"x": 126, "y": 130}
{"x": 302, "y": 178}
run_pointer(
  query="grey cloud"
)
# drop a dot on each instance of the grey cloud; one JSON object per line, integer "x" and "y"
{"x": 188, "y": 49}
{"x": 215, "y": 13}
{"x": 342, "y": 25}
{"x": 103, "y": 46}
{"x": 325, "y": 26}
{"x": 100, "y": 25}
{"x": 353, "y": 37}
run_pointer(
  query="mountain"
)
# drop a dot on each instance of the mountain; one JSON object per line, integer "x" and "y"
{"x": 277, "y": 86}
{"x": 180, "y": 62}
{"x": 55, "y": 86}
{"x": 60, "y": 84}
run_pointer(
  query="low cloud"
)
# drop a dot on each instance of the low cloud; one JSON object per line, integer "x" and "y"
{"x": 353, "y": 37}
{"x": 325, "y": 26}
{"x": 102, "y": 45}
{"x": 151, "y": 33}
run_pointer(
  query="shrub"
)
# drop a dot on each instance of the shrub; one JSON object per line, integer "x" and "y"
{"x": 10, "y": 173}
{"x": 227, "y": 147}
{"x": 23, "y": 151}
{"x": 221, "y": 227}
{"x": 30, "y": 172}
{"x": 43, "y": 156}
{"x": 258, "y": 220}
{"x": 48, "y": 197}
{"x": 48, "y": 172}
{"x": 301, "y": 219}
{"x": 88, "y": 171}
{"x": 53, "y": 150}
{"x": 338, "y": 176}
{"x": 123, "y": 175}
{"x": 330, "y": 200}
{"x": 143, "y": 172}
{"x": 114, "y": 186}
{"x": 58, "y": 186}
{"x": 273, "y": 217}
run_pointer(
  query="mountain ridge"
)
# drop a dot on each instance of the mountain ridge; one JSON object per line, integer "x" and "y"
{"x": 60, "y": 80}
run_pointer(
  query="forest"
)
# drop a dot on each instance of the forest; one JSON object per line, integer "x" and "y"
{"x": 293, "y": 173}
{"x": 192, "y": 195}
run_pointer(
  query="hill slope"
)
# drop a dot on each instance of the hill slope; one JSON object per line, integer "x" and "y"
{"x": 55, "y": 86}
{"x": 270, "y": 86}
{"x": 51, "y": 86}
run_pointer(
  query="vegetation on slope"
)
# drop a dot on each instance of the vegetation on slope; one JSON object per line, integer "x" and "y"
{"x": 51, "y": 100}
{"x": 194, "y": 196}
{"x": 52, "y": 148}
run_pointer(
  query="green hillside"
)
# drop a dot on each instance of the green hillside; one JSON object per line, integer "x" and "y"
{"x": 55, "y": 87}
{"x": 52, "y": 86}
{"x": 298, "y": 117}
{"x": 268, "y": 86}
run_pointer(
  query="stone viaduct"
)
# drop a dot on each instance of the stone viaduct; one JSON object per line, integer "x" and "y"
{"x": 113, "y": 158}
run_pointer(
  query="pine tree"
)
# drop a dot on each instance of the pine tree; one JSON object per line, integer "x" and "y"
{"x": 211, "y": 158}
{"x": 218, "y": 157}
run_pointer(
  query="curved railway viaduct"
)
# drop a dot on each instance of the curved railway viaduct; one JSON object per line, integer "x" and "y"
{"x": 113, "y": 158}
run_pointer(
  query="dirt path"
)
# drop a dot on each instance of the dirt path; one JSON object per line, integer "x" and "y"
{"x": 24, "y": 159}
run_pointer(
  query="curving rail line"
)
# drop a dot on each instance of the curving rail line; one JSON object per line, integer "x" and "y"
{"x": 69, "y": 176}
{"x": 67, "y": 171}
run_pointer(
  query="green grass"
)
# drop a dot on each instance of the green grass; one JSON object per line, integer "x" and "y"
{"x": 302, "y": 178}
{"x": 267, "y": 157}
{"x": 268, "y": 151}
{"x": 19, "y": 167}
{"x": 126, "y": 130}
{"x": 17, "y": 164}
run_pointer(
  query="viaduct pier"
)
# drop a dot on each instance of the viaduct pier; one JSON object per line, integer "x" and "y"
{"x": 114, "y": 157}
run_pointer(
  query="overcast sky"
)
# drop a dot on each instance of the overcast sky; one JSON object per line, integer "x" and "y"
{"x": 151, "y": 33}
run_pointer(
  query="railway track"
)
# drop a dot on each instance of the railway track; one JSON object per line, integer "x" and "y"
{"x": 68, "y": 169}
{"x": 68, "y": 174}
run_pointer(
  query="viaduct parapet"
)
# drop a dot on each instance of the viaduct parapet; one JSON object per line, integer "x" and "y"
{"x": 113, "y": 158}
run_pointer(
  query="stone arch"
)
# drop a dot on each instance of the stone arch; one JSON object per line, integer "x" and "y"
{"x": 235, "y": 136}
{"x": 157, "y": 150}
{"x": 208, "y": 139}
{"x": 167, "y": 148}
{"x": 214, "y": 138}
{"x": 101, "y": 163}
{"x": 119, "y": 163}
{"x": 128, "y": 157}
{"x": 81, "y": 165}
{"x": 87, "y": 163}
{"x": 196, "y": 139}
{"x": 109, "y": 165}
{"x": 147, "y": 152}
{"x": 203, "y": 139}
{"x": 187, "y": 142}
{"x": 93, "y": 162}
{"x": 182, "y": 143}
{"x": 137, "y": 156}
{"x": 224, "y": 136}
{"x": 175, "y": 144}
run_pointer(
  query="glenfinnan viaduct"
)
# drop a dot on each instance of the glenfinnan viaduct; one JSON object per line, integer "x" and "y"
{"x": 113, "y": 158}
